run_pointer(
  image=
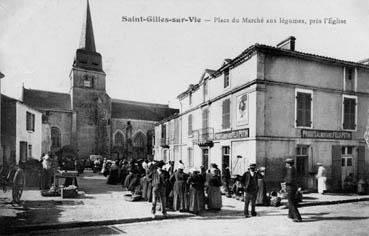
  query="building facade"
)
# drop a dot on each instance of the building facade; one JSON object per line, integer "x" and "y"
{"x": 87, "y": 119}
{"x": 272, "y": 103}
{"x": 21, "y": 132}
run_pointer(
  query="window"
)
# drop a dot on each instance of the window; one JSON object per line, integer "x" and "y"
{"x": 205, "y": 90}
{"x": 163, "y": 131}
{"x": 349, "y": 83}
{"x": 88, "y": 81}
{"x": 29, "y": 150}
{"x": 205, "y": 118}
{"x": 190, "y": 157}
{"x": 349, "y": 112}
{"x": 30, "y": 121}
{"x": 346, "y": 150}
{"x": 304, "y": 109}
{"x": 55, "y": 137}
{"x": 118, "y": 139}
{"x": 139, "y": 140}
{"x": 190, "y": 125}
{"x": 226, "y": 78}
{"x": 226, "y": 115}
{"x": 190, "y": 99}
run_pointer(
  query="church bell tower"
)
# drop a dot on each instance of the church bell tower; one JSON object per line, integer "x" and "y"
{"x": 90, "y": 103}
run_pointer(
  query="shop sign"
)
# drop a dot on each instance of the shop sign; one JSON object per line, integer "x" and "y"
{"x": 325, "y": 134}
{"x": 242, "y": 133}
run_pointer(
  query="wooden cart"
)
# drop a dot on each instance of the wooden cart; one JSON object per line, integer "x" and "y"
{"x": 12, "y": 177}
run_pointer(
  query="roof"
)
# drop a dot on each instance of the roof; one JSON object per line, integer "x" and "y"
{"x": 87, "y": 36}
{"x": 5, "y": 98}
{"x": 247, "y": 53}
{"x": 46, "y": 100}
{"x": 125, "y": 109}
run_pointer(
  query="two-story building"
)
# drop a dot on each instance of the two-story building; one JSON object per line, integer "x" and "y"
{"x": 272, "y": 103}
{"x": 21, "y": 134}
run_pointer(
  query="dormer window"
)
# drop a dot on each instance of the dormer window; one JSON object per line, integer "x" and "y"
{"x": 226, "y": 78}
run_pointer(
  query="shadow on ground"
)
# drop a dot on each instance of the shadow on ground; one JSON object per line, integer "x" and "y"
{"x": 33, "y": 212}
{"x": 96, "y": 184}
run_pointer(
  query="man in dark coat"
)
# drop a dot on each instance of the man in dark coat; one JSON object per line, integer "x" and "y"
{"x": 291, "y": 188}
{"x": 160, "y": 180}
{"x": 250, "y": 183}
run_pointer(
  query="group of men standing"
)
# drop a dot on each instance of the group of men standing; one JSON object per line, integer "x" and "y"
{"x": 250, "y": 182}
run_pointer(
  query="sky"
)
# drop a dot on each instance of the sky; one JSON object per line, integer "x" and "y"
{"x": 155, "y": 62}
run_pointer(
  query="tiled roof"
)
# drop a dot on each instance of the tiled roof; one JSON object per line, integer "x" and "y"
{"x": 140, "y": 111}
{"x": 45, "y": 100}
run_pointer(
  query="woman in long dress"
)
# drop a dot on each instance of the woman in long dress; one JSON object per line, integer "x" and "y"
{"x": 179, "y": 189}
{"x": 322, "y": 178}
{"x": 261, "y": 198}
{"x": 213, "y": 189}
{"x": 113, "y": 177}
{"x": 196, "y": 188}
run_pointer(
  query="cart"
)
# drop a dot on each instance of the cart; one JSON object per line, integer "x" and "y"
{"x": 12, "y": 177}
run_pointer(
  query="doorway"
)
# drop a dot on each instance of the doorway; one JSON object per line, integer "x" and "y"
{"x": 205, "y": 158}
{"x": 347, "y": 163}
{"x": 302, "y": 160}
{"x": 22, "y": 151}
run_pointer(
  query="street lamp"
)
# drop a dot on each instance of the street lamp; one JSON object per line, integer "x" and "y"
{"x": 1, "y": 75}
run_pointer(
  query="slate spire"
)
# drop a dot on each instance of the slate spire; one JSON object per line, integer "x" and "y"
{"x": 87, "y": 37}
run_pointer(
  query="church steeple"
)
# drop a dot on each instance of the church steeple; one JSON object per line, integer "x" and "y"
{"x": 87, "y": 36}
{"x": 86, "y": 55}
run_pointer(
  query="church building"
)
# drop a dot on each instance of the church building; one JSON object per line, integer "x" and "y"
{"x": 87, "y": 118}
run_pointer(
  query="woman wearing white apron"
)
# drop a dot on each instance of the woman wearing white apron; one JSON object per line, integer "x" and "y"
{"x": 322, "y": 178}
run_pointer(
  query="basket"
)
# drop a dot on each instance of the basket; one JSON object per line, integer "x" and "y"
{"x": 69, "y": 193}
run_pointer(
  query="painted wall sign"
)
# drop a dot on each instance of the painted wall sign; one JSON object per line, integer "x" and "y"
{"x": 242, "y": 115}
{"x": 243, "y": 133}
{"x": 325, "y": 134}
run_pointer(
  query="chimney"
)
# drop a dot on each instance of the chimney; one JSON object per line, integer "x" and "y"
{"x": 288, "y": 43}
{"x": 364, "y": 61}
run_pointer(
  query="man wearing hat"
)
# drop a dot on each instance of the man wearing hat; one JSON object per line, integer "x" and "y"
{"x": 291, "y": 187}
{"x": 250, "y": 183}
{"x": 160, "y": 180}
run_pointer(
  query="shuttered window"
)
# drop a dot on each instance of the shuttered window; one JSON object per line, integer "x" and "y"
{"x": 226, "y": 115}
{"x": 349, "y": 113}
{"x": 303, "y": 109}
{"x": 30, "y": 121}
{"x": 189, "y": 124}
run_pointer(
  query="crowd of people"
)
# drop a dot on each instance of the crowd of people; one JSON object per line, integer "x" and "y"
{"x": 194, "y": 190}
{"x": 172, "y": 187}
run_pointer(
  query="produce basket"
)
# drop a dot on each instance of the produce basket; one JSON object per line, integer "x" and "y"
{"x": 69, "y": 192}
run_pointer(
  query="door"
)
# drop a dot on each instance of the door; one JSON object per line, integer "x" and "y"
{"x": 22, "y": 151}
{"x": 225, "y": 157}
{"x": 302, "y": 160}
{"x": 347, "y": 166}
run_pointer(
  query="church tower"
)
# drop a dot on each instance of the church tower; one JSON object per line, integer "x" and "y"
{"x": 90, "y": 103}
